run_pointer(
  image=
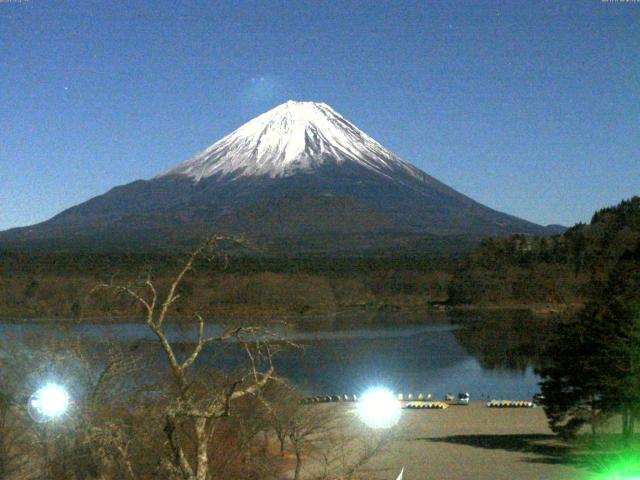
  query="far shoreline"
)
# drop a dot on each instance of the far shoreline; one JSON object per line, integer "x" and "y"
{"x": 414, "y": 314}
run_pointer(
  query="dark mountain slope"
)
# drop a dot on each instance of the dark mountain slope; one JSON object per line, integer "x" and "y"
{"x": 298, "y": 171}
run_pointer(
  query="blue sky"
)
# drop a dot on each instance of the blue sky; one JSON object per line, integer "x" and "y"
{"x": 529, "y": 107}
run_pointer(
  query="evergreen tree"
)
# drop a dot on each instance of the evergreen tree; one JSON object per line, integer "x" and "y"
{"x": 592, "y": 370}
{"x": 571, "y": 392}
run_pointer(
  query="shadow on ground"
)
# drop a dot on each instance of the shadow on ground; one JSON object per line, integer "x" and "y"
{"x": 540, "y": 448}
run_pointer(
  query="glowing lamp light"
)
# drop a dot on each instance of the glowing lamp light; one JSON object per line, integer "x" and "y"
{"x": 623, "y": 466}
{"x": 379, "y": 408}
{"x": 49, "y": 402}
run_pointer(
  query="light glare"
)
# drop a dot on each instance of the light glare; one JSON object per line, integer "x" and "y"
{"x": 379, "y": 408}
{"x": 49, "y": 402}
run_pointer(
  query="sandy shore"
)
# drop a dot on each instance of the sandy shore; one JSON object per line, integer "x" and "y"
{"x": 472, "y": 443}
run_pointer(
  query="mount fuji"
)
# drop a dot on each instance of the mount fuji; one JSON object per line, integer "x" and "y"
{"x": 299, "y": 177}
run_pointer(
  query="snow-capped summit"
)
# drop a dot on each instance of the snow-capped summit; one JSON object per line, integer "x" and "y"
{"x": 298, "y": 178}
{"x": 291, "y": 138}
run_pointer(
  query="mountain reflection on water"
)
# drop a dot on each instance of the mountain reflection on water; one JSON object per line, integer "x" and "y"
{"x": 490, "y": 357}
{"x": 510, "y": 343}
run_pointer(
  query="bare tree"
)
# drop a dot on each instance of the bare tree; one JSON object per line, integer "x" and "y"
{"x": 282, "y": 404}
{"x": 131, "y": 420}
{"x": 309, "y": 428}
{"x": 14, "y": 431}
{"x": 94, "y": 439}
{"x": 70, "y": 447}
{"x": 190, "y": 418}
{"x": 344, "y": 448}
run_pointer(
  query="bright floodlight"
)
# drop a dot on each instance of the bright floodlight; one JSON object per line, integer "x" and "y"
{"x": 378, "y": 408}
{"x": 49, "y": 402}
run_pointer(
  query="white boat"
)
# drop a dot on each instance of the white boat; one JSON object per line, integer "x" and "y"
{"x": 462, "y": 399}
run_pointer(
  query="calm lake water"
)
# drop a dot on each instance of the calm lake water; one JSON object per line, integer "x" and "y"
{"x": 485, "y": 358}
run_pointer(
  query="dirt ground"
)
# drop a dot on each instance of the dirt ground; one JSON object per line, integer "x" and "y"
{"x": 473, "y": 443}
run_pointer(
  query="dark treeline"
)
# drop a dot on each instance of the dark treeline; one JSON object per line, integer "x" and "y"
{"x": 516, "y": 271}
{"x": 21, "y": 263}
{"x": 558, "y": 269}
{"x": 59, "y": 284}
{"x": 591, "y": 371}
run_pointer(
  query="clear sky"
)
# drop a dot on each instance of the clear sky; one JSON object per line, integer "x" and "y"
{"x": 529, "y": 107}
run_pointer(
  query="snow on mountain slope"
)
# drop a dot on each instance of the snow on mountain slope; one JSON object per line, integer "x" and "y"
{"x": 295, "y": 137}
{"x": 300, "y": 176}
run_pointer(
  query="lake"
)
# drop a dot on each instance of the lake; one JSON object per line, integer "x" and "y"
{"x": 487, "y": 358}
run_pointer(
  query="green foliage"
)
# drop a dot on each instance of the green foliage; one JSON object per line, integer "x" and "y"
{"x": 592, "y": 370}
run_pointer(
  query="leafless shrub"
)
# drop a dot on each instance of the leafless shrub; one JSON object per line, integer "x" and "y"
{"x": 197, "y": 404}
{"x": 14, "y": 431}
{"x": 131, "y": 419}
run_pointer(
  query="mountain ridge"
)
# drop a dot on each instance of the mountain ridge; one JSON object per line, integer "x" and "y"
{"x": 297, "y": 170}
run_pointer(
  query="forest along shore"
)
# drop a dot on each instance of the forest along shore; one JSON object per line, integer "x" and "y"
{"x": 62, "y": 286}
{"x": 544, "y": 275}
{"x": 346, "y": 318}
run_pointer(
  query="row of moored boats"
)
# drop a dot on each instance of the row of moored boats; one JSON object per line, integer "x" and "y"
{"x": 421, "y": 401}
